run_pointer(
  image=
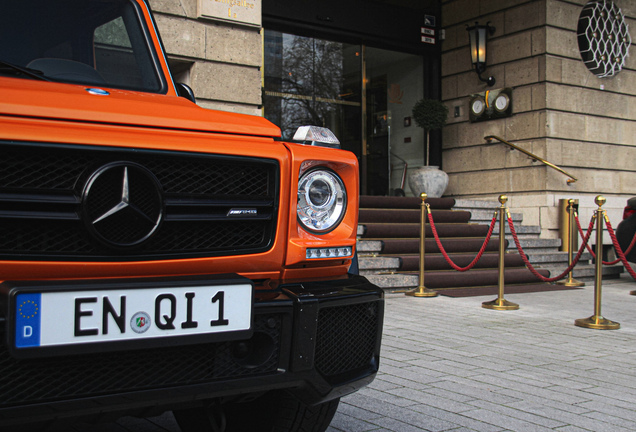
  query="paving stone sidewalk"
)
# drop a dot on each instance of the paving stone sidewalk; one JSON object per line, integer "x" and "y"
{"x": 450, "y": 365}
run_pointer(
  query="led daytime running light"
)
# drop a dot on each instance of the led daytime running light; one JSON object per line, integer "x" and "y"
{"x": 330, "y": 252}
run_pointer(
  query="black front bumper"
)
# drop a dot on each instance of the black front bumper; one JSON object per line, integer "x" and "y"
{"x": 319, "y": 339}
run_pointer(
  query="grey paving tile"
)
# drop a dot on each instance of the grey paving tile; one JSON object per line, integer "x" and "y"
{"x": 448, "y": 367}
{"x": 458, "y": 419}
{"x": 349, "y": 410}
{"x": 381, "y": 384}
{"x": 386, "y": 397}
{"x": 608, "y": 407}
{"x": 612, "y": 420}
{"x": 571, "y": 429}
{"x": 404, "y": 381}
{"x": 518, "y": 414}
{"x": 419, "y": 374}
{"x": 582, "y": 421}
{"x": 350, "y": 424}
{"x": 507, "y": 385}
{"x": 473, "y": 390}
{"x": 506, "y": 422}
{"x": 401, "y": 426}
{"x": 536, "y": 405}
{"x": 438, "y": 401}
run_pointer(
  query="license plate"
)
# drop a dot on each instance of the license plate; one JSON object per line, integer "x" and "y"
{"x": 165, "y": 314}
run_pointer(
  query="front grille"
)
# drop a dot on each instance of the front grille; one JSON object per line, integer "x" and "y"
{"x": 52, "y": 198}
{"x": 346, "y": 338}
{"x": 72, "y": 377}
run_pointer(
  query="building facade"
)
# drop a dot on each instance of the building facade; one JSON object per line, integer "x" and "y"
{"x": 562, "y": 112}
{"x": 358, "y": 67}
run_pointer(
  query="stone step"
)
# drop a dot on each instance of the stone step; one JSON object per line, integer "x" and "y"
{"x": 555, "y": 257}
{"x": 379, "y": 264}
{"x": 521, "y": 230}
{"x": 465, "y": 203}
{"x": 412, "y": 230}
{"x": 394, "y": 281}
{"x": 486, "y": 216}
{"x": 586, "y": 272}
{"x": 367, "y": 247}
{"x": 529, "y": 245}
{"x": 536, "y": 244}
{"x": 582, "y": 272}
{"x": 557, "y": 261}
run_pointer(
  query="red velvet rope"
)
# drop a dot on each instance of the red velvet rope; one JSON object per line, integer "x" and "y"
{"x": 575, "y": 261}
{"x": 589, "y": 249}
{"x": 441, "y": 247}
{"x": 621, "y": 254}
{"x": 626, "y": 252}
{"x": 585, "y": 236}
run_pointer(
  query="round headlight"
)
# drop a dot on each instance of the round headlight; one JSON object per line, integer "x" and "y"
{"x": 322, "y": 200}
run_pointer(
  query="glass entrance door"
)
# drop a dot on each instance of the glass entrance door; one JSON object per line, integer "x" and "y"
{"x": 365, "y": 95}
{"x": 394, "y": 82}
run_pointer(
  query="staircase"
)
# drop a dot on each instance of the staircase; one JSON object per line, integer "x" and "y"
{"x": 388, "y": 245}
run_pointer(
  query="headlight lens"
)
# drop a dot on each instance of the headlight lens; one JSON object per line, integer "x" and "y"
{"x": 322, "y": 200}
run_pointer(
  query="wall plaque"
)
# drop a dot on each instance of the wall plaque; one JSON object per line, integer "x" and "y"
{"x": 243, "y": 12}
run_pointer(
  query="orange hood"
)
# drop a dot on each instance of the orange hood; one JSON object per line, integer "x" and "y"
{"x": 32, "y": 98}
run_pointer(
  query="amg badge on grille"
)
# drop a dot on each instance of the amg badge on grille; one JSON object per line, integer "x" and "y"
{"x": 242, "y": 212}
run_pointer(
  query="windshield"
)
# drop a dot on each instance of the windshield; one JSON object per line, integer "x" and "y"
{"x": 98, "y": 42}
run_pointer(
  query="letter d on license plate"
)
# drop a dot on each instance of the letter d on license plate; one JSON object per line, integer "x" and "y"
{"x": 61, "y": 321}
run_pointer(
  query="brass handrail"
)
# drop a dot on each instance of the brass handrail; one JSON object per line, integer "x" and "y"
{"x": 572, "y": 179}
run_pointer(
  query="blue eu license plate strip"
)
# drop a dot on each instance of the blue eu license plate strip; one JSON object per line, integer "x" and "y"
{"x": 28, "y": 320}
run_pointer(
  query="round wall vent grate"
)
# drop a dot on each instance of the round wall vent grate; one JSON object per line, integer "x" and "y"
{"x": 603, "y": 38}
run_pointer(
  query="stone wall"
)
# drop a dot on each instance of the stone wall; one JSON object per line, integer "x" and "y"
{"x": 220, "y": 61}
{"x": 561, "y": 111}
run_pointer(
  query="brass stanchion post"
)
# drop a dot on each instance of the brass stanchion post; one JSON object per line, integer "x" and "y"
{"x": 571, "y": 282}
{"x": 422, "y": 291}
{"x": 596, "y": 321}
{"x": 500, "y": 303}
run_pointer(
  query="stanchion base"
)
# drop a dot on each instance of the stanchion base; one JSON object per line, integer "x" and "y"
{"x": 571, "y": 283}
{"x": 500, "y": 304}
{"x": 421, "y": 292}
{"x": 597, "y": 322}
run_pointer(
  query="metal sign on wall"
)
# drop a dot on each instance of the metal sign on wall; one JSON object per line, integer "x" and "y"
{"x": 243, "y": 12}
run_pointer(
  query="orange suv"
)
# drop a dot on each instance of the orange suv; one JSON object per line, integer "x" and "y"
{"x": 155, "y": 255}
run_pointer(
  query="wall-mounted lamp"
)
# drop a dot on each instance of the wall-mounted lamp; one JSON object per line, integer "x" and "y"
{"x": 478, "y": 35}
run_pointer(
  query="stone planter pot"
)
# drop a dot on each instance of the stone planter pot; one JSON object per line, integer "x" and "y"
{"x": 428, "y": 179}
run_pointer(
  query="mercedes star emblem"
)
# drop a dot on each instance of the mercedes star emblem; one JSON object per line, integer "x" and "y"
{"x": 122, "y": 204}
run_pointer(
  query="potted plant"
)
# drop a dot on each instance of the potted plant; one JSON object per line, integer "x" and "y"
{"x": 429, "y": 114}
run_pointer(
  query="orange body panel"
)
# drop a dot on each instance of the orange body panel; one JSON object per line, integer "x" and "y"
{"x": 67, "y": 114}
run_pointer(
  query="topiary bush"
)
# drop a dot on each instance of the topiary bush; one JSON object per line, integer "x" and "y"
{"x": 429, "y": 114}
